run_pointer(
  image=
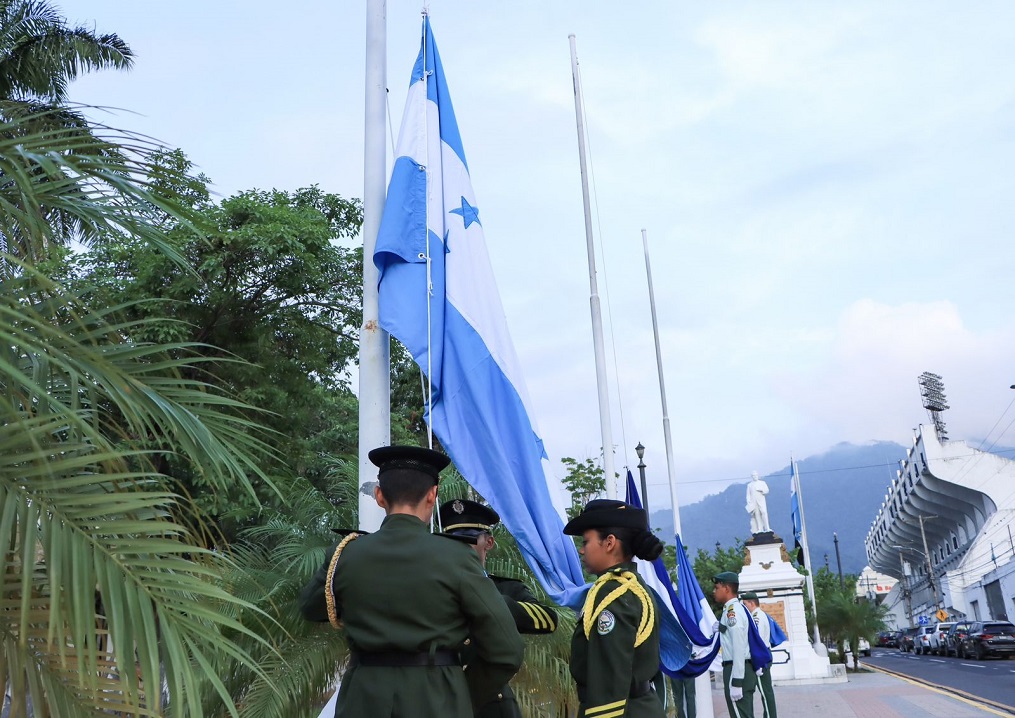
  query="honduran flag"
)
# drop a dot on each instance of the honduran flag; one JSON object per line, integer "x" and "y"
{"x": 438, "y": 297}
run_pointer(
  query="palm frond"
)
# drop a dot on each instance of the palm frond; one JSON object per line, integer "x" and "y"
{"x": 104, "y": 594}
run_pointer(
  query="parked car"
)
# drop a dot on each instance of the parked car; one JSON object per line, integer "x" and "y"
{"x": 921, "y": 640}
{"x": 864, "y": 646}
{"x": 954, "y": 637}
{"x": 988, "y": 638}
{"x": 887, "y": 639}
{"x": 907, "y": 638}
{"x": 936, "y": 638}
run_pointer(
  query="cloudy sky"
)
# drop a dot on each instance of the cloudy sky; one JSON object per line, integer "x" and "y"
{"x": 827, "y": 189}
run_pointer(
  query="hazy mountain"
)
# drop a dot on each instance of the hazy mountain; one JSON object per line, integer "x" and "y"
{"x": 842, "y": 490}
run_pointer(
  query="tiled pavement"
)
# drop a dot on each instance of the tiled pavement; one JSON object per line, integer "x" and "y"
{"x": 866, "y": 695}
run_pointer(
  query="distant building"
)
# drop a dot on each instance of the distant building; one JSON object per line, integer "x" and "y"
{"x": 945, "y": 532}
{"x": 874, "y": 586}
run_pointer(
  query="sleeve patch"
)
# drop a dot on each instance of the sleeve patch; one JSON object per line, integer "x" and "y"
{"x": 605, "y": 623}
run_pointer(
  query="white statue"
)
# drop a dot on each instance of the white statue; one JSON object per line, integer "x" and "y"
{"x": 757, "y": 505}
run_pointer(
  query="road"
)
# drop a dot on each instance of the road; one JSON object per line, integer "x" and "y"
{"x": 993, "y": 679}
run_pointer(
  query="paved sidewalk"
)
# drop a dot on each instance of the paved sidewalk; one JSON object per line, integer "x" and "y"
{"x": 866, "y": 695}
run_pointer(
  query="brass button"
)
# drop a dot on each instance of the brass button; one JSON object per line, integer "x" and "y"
{"x": 468, "y": 641}
{"x": 500, "y": 696}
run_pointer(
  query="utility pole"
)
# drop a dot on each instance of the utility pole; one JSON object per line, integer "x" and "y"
{"x": 930, "y": 567}
{"x": 906, "y": 594}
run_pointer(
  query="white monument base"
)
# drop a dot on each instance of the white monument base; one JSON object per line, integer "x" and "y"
{"x": 769, "y": 573}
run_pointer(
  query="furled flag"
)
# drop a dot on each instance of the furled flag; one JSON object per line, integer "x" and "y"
{"x": 438, "y": 297}
{"x": 693, "y": 634}
{"x": 794, "y": 513}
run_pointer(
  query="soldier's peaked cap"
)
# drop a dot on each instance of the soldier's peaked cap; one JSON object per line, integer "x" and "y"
{"x": 605, "y": 514}
{"x": 727, "y": 577}
{"x": 411, "y": 458}
{"x": 462, "y": 514}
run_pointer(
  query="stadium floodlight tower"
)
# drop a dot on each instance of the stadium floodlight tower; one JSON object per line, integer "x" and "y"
{"x": 933, "y": 392}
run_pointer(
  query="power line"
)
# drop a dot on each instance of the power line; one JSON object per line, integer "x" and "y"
{"x": 737, "y": 479}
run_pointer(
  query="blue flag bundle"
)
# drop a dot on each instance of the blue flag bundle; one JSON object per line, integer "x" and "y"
{"x": 794, "y": 514}
{"x": 439, "y": 298}
{"x": 685, "y": 634}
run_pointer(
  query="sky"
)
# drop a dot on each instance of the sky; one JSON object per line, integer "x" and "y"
{"x": 826, "y": 188}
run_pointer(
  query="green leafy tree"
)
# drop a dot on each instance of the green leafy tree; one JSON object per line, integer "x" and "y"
{"x": 268, "y": 299}
{"x": 707, "y": 565}
{"x": 105, "y": 594}
{"x": 584, "y": 480}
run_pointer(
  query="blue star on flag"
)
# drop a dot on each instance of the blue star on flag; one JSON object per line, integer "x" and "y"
{"x": 468, "y": 213}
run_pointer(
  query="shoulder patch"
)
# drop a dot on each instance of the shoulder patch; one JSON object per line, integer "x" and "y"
{"x": 731, "y": 616}
{"x": 605, "y": 623}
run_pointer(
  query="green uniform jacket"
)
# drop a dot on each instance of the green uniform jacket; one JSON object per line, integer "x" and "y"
{"x": 606, "y": 664}
{"x": 530, "y": 617}
{"x": 403, "y": 589}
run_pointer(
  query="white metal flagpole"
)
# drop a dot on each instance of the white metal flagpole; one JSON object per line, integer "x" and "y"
{"x": 605, "y": 423}
{"x": 374, "y": 349}
{"x": 702, "y": 684}
{"x": 670, "y": 471}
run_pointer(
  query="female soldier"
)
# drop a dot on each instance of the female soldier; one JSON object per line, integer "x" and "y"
{"x": 615, "y": 648}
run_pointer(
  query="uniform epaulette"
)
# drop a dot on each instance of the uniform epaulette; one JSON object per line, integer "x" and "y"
{"x": 628, "y": 582}
{"x": 329, "y": 589}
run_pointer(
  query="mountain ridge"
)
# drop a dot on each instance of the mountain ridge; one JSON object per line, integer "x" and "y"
{"x": 842, "y": 490}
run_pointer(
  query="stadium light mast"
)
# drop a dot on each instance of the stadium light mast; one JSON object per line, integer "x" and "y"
{"x": 932, "y": 389}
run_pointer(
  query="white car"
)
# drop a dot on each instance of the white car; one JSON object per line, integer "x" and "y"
{"x": 865, "y": 647}
{"x": 921, "y": 641}
{"x": 936, "y": 640}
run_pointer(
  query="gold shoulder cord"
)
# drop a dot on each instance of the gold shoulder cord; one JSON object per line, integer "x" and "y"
{"x": 628, "y": 582}
{"x": 329, "y": 590}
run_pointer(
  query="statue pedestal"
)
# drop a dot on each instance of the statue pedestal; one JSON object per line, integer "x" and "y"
{"x": 769, "y": 573}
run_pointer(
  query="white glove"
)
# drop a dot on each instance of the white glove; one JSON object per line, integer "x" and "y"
{"x": 736, "y": 693}
{"x": 760, "y": 671}
{"x": 715, "y": 628}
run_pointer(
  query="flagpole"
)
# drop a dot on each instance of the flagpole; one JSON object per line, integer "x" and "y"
{"x": 702, "y": 683}
{"x": 807, "y": 551}
{"x": 605, "y": 423}
{"x": 662, "y": 389}
{"x": 374, "y": 382}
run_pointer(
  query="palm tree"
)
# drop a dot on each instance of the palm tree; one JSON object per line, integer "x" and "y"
{"x": 40, "y": 54}
{"x": 105, "y": 595}
{"x": 846, "y": 620}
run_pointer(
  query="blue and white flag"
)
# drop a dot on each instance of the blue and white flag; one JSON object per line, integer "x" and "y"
{"x": 683, "y": 633}
{"x": 794, "y": 514}
{"x": 439, "y": 298}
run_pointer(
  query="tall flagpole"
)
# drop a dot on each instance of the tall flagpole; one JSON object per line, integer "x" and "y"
{"x": 605, "y": 423}
{"x": 702, "y": 684}
{"x": 374, "y": 382}
{"x": 670, "y": 472}
{"x": 807, "y": 551}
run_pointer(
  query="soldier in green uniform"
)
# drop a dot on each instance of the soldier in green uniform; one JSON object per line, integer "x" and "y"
{"x": 408, "y": 602}
{"x": 753, "y": 606}
{"x": 473, "y": 523}
{"x": 738, "y": 678}
{"x": 615, "y": 647}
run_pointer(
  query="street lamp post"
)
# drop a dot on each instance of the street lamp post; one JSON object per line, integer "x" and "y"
{"x": 838, "y": 559}
{"x": 640, "y": 451}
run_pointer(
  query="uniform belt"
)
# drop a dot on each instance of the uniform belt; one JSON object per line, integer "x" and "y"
{"x": 400, "y": 659}
{"x": 730, "y": 663}
{"x": 638, "y": 689}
